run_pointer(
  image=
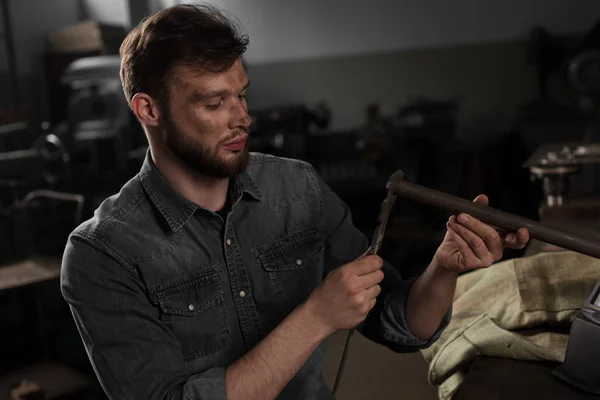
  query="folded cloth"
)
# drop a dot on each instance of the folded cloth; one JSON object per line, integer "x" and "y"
{"x": 519, "y": 309}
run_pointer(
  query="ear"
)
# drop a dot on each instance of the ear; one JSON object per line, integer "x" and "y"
{"x": 146, "y": 109}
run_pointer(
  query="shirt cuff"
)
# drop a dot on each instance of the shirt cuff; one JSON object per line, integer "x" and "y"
{"x": 208, "y": 385}
{"x": 394, "y": 327}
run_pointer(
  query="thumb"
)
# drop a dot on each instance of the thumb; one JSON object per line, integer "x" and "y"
{"x": 482, "y": 199}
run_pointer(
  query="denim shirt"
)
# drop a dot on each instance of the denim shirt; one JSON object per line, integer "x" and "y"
{"x": 166, "y": 294}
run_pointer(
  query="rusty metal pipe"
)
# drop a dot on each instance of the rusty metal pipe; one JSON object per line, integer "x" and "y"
{"x": 500, "y": 219}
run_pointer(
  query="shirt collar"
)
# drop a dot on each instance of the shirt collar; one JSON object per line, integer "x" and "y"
{"x": 175, "y": 208}
{"x": 243, "y": 184}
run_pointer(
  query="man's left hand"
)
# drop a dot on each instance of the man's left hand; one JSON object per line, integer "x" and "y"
{"x": 470, "y": 243}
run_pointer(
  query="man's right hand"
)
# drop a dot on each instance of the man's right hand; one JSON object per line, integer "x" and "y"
{"x": 341, "y": 301}
{"x": 345, "y": 297}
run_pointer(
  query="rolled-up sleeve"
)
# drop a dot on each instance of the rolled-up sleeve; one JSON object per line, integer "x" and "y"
{"x": 388, "y": 326}
{"x": 134, "y": 355}
{"x": 344, "y": 243}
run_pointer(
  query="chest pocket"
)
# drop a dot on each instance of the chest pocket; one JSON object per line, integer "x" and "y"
{"x": 195, "y": 311}
{"x": 294, "y": 266}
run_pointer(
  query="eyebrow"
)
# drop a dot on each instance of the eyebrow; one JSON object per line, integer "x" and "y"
{"x": 197, "y": 96}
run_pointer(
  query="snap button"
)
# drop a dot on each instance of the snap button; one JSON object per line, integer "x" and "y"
{"x": 191, "y": 307}
{"x": 228, "y": 242}
{"x": 242, "y": 294}
{"x": 298, "y": 262}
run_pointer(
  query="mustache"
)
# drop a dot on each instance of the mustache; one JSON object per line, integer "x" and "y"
{"x": 240, "y": 130}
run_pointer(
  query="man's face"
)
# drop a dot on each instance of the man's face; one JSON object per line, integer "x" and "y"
{"x": 206, "y": 123}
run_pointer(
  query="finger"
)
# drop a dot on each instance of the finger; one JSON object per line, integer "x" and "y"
{"x": 486, "y": 233}
{"x": 372, "y": 292}
{"x": 370, "y": 305}
{"x": 476, "y": 244}
{"x": 367, "y": 264}
{"x": 523, "y": 237}
{"x": 371, "y": 279}
{"x": 509, "y": 240}
{"x": 465, "y": 250}
{"x": 517, "y": 240}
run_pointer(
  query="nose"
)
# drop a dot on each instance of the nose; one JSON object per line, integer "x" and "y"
{"x": 240, "y": 116}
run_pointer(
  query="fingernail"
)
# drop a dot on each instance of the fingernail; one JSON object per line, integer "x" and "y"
{"x": 463, "y": 218}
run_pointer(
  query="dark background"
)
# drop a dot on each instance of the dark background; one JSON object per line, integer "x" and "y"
{"x": 458, "y": 96}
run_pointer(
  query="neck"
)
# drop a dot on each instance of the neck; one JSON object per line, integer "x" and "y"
{"x": 207, "y": 192}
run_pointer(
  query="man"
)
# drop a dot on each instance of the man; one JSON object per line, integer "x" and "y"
{"x": 215, "y": 273}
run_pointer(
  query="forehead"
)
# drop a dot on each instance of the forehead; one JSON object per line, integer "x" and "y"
{"x": 188, "y": 77}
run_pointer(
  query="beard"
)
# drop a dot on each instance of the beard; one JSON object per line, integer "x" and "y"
{"x": 201, "y": 158}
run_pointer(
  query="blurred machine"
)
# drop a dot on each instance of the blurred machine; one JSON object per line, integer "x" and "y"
{"x": 285, "y": 130}
{"x": 89, "y": 155}
{"x": 566, "y": 162}
{"x": 564, "y": 133}
{"x": 100, "y": 131}
{"x": 583, "y": 351}
{"x": 418, "y": 133}
{"x": 555, "y": 165}
{"x": 99, "y": 137}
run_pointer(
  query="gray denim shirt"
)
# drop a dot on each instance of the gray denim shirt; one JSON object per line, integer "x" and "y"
{"x": 166, "y": 294}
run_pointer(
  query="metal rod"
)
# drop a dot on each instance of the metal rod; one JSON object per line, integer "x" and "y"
{"x": 338, "y": 377}
{"x": 503, "y": 220}
{"x": 384, "y": 214}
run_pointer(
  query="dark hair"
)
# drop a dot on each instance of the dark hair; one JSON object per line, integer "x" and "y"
{"x": 198, "y": 35}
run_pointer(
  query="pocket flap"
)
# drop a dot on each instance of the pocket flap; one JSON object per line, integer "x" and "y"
{"x": 191, "y": 297}
{"x": 291, "y": 252}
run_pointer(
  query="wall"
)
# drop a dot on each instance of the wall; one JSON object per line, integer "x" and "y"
{"x": 118, "y": 11}
{"x": 290, "y": 30}
{"x": 108, "y": 11}
{"x": 349, "y": 54}
{"x": 32, "y": 21}
{"x": 489, "y": 80}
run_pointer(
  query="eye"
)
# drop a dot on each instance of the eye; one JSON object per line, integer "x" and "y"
{"x": 215, "y": 105}
{"x": 242, "y": 96}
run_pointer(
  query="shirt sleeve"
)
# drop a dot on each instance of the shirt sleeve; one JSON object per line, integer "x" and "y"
{"x": 386, "y": 323}
{"x": 133, "y": 354}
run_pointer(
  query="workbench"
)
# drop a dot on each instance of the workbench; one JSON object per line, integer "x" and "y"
{"x": 28, "y": 272}
{"x": 504, "y": 379}
{"x": 57, "y": 381}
